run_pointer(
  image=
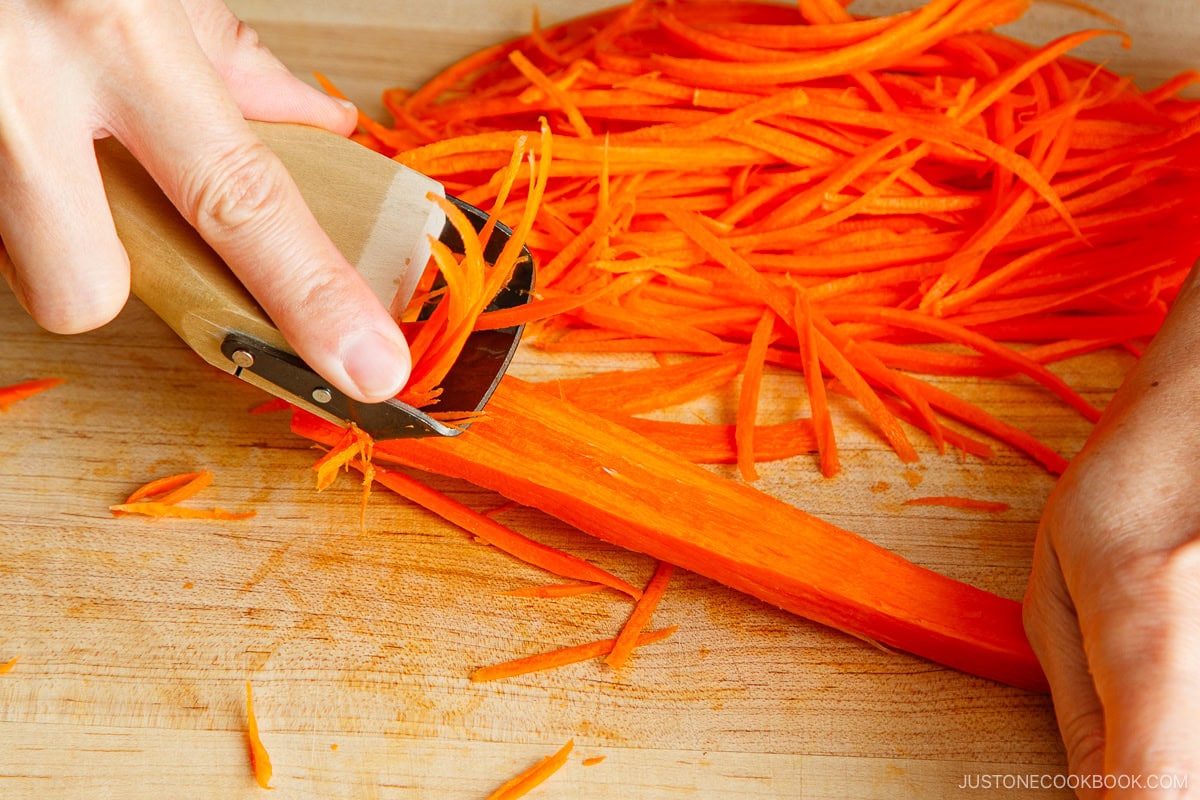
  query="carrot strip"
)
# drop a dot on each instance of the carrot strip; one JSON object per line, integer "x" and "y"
{"x": 153, "y": 509}
{"x": 500, "y": 536}
{"x": 558, "y": 590}
{"x": 593, "y": 761}
{"x": 7, "y": 666}
{"x": 752, "y": 376}
{"x": 562, "y": 657}
{"x": 172, "y": 488}
{"x": 522, "y": 784}
{"x": 965, "y": 503}
{"x": 640, "y": 618}
{"x": 20, "y": 391}
{"x": 260, "y": 759}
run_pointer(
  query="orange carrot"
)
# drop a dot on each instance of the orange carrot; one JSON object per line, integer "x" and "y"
{"x": 642, "y": 612}
{"x": 593, "y": 761}
{"x": 748, "y": 399}
{"x": 522, "y": 784}
{"x": 20, "y": 391}
{"x": 260, "y": 760}
{"x": 173, "y": 488}
{"x": 153, "y": 509}
{"x": 8, "y": 665}
{"x": 562, "y": 657}
{"x": 965, "y": 503}
{"x": 558, "y": 590}
{"x": 498, "y": 535}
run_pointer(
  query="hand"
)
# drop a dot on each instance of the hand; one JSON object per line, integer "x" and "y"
{"x": 1113, "y": 605}
{"x": 173, "y": 81}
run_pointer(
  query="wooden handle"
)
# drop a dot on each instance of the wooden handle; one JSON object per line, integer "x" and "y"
{"x": 375, "y": 210}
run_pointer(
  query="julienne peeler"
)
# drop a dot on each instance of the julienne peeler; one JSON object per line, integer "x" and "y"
{"x": 378, "y": 214}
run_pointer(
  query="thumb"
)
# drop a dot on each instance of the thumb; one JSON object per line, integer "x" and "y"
{"x": 263, "y": 88}
{"x": 1143, "y": 638}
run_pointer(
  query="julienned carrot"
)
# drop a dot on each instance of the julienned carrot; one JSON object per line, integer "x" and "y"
{"x": 965, "y": 503}
{"x": 527, "y": 449}
{"x": 20, "y": 391}
{"x": 260, "y": 760}
{"x": 522, "y": 784}
{"x": 557, "y": 590}
{"x": 153, "y": 509}
{"x": 8, "y": 665}
{"x": 561, "y": 657}
{"x": 168, "y": 489}
{"x": 487, "y": 529}
{"x": 746, "y": 428}
{"x": 640, "y": 618}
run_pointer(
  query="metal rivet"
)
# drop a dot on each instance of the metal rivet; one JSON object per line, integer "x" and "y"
{"x": 243, "y": 358}
{"x": 322, "y": 395}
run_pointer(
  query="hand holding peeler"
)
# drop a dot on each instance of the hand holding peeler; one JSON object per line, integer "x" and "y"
{"x": 378, "y": 214}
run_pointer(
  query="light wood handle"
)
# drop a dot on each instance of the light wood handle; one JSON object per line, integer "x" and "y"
{"x": 375, "y": 210}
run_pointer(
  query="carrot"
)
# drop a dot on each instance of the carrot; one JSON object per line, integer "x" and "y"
{"x": 640, "y": 617}
{"x": 748, "y": 399}
{"x": 526, "y": 449}
{"x": 562, "y": 657}
{"x": 593, "y": 761}
{"x": 173, "y": 488}
{"x": 20, "y": 391}
{"x": 559, "y": 590}
{"x": 533, "y": 777}
{"x": 260, "y": 760}
{"x": 964, "y": 503}
{"x": 160, "y": 510}
{"x": 7, "y": 666}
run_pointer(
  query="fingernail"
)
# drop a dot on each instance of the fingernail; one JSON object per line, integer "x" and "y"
{"x": 377, "y": 365}
{"x": 346, "y": 104}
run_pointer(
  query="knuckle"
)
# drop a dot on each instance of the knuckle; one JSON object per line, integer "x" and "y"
{"x": 72, "y": 313}
{"x": 235, "y": 191}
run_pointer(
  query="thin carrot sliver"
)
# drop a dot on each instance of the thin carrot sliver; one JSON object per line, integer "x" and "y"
{"x": 562, "y": 657}
{"x": 557, "y": 590}
{"x": 167, "y": 489}
{"x": 752, "y": 376}
{"x": 20, "y": 391}
{"x": 533, "y": 777}
{"x": 640, "y": 618}
{"x": 500, "y": 536}
{"x": 965, "y": 503}
{"x": 260, "y": 760}
{"x": 155, "y": 509}
{"x": 7, "y": 666}
{"x": 593, "y": 761}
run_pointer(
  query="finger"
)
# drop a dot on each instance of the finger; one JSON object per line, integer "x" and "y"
{"x": 65, "y": 263}
{"x": 1143, "y": 643}
{"x": 1053, "y": 630}
{"x": 263, "y": 88}
{"x": 243, "y": 202}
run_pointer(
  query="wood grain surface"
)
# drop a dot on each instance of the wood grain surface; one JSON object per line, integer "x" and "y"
{"x": 136, "y": 636}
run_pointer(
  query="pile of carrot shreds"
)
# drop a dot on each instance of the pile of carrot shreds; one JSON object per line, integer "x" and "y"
{"x": 744, "y": 188}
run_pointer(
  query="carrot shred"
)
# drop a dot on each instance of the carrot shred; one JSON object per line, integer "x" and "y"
{"x": 158, "y": 498}
{"x": 557, "y": 590}
{"x": 533, "y": 777}
{"x": 173, "y": 488}
{"x": 7, "y": 666}
{"x": 20, "y": 391}
{"x": 260, "y": 760}
{"x": 642, "y": 612}
{"x": 964, "y": 503}
{"x": 562, "y": 657}
{"x": 593, "y": 761}
{"x": 154, "y": 509}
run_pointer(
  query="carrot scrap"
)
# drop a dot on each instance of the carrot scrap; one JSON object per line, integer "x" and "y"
{"x": 593, "y": 761}
{"x": 642, "y": 612}
{"x": 260, "y": 760}
{"x": 522, "y": 784}
{"x": 8, "y": 665}
{"x": 158, "y": 498}
{"x": 965, "y": 503}
{"x": 19, "y": 391}
{"x": 557, "y": 590}
{"x": 562, "y": 657}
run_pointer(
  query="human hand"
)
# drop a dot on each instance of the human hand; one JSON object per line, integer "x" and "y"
{"x": 172, "y": 80}
{"x": 1113, "y": 605}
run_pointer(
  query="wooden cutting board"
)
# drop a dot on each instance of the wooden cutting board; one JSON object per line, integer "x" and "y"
{"x": 136, "y": 637}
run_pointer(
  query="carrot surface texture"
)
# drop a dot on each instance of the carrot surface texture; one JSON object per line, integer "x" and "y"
{"x": 751, "y": 192}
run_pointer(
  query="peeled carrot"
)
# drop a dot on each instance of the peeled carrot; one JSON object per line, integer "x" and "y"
{"x": 260, "y": 760}
{"x": 533, "y": 777}
{"x": 562, "y": 657}
{"x": 19, "y": 391}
